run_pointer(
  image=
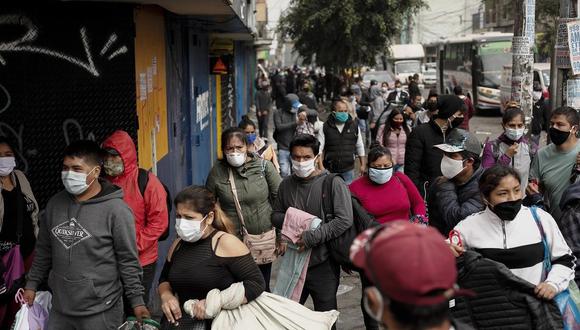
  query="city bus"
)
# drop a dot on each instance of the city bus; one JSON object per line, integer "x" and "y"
{"x": 474, "y": 62}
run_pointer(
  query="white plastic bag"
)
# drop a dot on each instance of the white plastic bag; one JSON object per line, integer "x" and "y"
{"x": 272, "y": 312}
{"x": 21, "y": 320}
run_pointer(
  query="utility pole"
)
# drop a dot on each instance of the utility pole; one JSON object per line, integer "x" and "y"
{"x": 560, "y": 70}
{"x": 523, "y": 56}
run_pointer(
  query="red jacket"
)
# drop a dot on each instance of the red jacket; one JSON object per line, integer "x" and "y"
{"x": 470, "y": 112}
{"x": 150, "y": 211}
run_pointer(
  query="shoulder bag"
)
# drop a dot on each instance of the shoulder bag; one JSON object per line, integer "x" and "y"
{"x": 262, "y": 246}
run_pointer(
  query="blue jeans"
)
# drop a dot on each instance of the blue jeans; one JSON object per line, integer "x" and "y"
{"x": 347, "y": 176}
{"x": 284, "y": 161}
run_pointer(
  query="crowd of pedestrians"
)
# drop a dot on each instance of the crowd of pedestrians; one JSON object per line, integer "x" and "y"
{"x": 399, "y": 181}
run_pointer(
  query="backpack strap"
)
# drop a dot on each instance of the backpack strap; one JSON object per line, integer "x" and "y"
{"x": 20, "y": 209}
{"x": 327, "y": 201}
{"x": 142, "y": 181}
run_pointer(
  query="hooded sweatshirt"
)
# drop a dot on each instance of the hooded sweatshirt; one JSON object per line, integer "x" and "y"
{"x": 285, "y": 122}
{"x": 88, "y": 253}
{"x": 150, "y": 210}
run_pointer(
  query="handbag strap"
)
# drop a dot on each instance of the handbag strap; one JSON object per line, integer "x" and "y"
{"x": 547, "y": 255}
{"x": 20, "y": 209}
{"x": 237, "y": 201}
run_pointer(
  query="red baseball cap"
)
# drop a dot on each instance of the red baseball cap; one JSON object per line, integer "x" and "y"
{"x": 408, "y": 263}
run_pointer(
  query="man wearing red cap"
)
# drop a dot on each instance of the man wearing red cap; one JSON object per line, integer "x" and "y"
{"x": 414, "y": 275}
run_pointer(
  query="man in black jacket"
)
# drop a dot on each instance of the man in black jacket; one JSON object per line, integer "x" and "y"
{"x": 422, "y": 161}
{"x": 285, "y": 122}
{"x": 455, "y": 195}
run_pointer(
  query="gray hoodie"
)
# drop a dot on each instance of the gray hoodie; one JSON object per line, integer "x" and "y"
{"x": 87, "y": 250}
{"x": 285, "y": 123}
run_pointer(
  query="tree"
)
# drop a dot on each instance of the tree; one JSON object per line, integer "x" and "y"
{"x": 342, "y": 33}
{"x": 547, "y": 12}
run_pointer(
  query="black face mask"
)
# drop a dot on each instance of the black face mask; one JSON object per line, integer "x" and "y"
{"x": 557, "y": 136}
{"x": 507, "y": 211}
{"x": 432, "y": 105}
{"x": 456, "y": 122}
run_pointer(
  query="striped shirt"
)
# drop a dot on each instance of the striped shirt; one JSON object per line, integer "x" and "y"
{"x": 518, "y": 245}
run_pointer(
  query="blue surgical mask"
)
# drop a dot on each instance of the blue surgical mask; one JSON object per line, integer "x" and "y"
{"x": 341, "y": 117}
{"x": 380, "y": 175}
{"x": 251, "y": 138}
{"x": 514, "y": 134}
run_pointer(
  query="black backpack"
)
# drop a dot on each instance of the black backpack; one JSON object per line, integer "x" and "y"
{"x": 339, "y": 248}
{"x": 143, "y": 180}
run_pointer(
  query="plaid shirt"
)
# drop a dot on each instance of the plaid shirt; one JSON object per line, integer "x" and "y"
{"x": 306, "y": 128}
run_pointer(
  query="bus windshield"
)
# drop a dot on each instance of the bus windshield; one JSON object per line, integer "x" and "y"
{"x": 408, "y": 67}
{"x": 494, "y": 55}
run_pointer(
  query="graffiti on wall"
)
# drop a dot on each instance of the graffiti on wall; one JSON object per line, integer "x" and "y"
{"x": 71, "y": 77}
{"x": 228, "y": 102}
{"x": 31, "y": 32}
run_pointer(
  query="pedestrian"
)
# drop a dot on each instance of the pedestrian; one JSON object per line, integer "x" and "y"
{"x": 513, "y": 235}
{"x": 285, "y": 122}
{"x": 455, "y": 195}
{"x": 263, "y": 108}
{"x": 290, "y": 81}
{"x": 279, "y": 88}
{"x": 541, "y": 118}
{"x": 86, "y": 248}
{"x": 256, "y": 183}
{"x": 207, "y": 255}
{"x": 393, "y": 135}
{"x": 356, "y": 87}
{"x": 414, "y": 84}
{"x": 377, "y": 103}
{"x": 363, "y": 114}
{"x": 410, "y": 110}
{"x": 556, "y": 164}
{"x": 304, "y": 125}
{"x": 257, "y": 145}
{"x": 570, "y": 221}
{"x": 303, "y": 191}
{"x": 149, "y": 210}
{"x": 386, "y": 194}
{"x": 429, "y": 110}
{"x": 307, "y": 97}
{"x": 340, "y": 141}
{"x": 469, "y": 109}
{"x": 320, "y": 88}
{"x": 398, "y": 95}
{"x": 512, "y": 147}
{"x": 422, "y": 161}
{"x": 413, "y": 274}
{"x": 18, "y": 226}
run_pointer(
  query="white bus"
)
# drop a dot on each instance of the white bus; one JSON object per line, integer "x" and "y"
{"x": 474, "y": 62}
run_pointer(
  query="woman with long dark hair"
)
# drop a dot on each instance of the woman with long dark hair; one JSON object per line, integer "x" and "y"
{"x": 206, "y": 255}
{"x": 18, "y": 223}
{"x": 393, "y": 135}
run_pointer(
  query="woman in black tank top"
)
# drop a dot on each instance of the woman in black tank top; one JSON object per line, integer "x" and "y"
{"x": 206, "y": 256}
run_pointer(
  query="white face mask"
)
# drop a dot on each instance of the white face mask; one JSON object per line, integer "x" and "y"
{"x": 377, "y": 316}
{"x": 398, "y": 89}
{"x": 537, "y": 96}
{"x": 380, "y": 175}
{"x": 76, "y": 183}
{"x": 236, "y": 159}
{"x": 514, "y": 134}
{"x": 305, "y": 168}
{"x": 450, "y": 167}
{"x": 7, "y": 165}
{"x": 189, "y": 230}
